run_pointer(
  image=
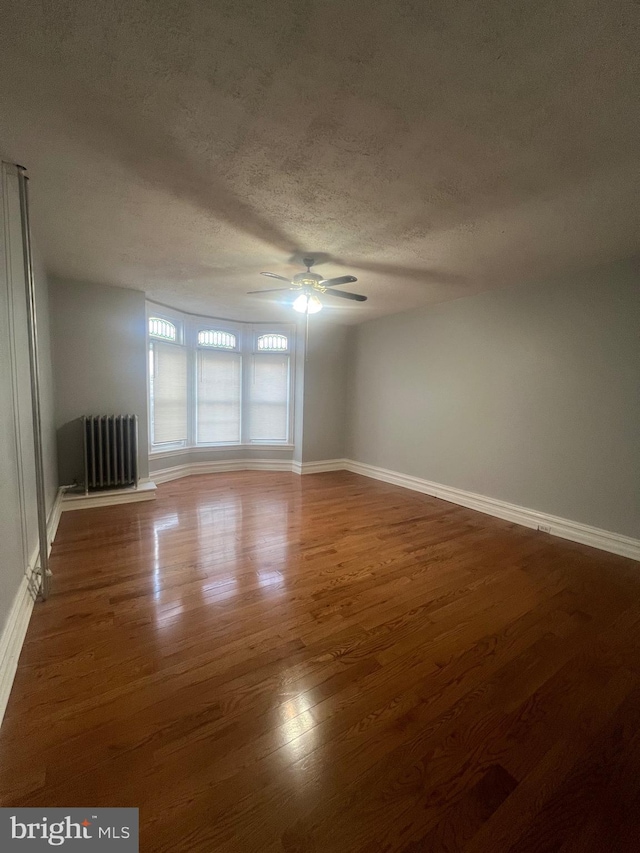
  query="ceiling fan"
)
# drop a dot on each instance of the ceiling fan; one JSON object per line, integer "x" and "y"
{"x": 309, "y": 285}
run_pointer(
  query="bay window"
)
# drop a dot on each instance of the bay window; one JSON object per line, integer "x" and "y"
{"x": 212, "y": 383}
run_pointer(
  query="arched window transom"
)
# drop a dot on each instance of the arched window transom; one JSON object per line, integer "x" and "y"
{"x": 217, "y": 339}
{"x": 159, "y": 328}
{"x": 273, "y": 343}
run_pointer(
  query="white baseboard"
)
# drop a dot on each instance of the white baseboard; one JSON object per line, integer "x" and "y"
{"x": 52, "y": 528}
{"x": 15, "y": 630}
{"x": 13, "y": 636}
{"x": 605, "y": 540}
{"x": 192, "y": 468}
{"x": 322, "y": 466}
{"x": 146, "y": 491}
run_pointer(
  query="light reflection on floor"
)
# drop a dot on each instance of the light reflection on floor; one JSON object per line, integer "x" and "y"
{"x": 231, "y": 537}
{"x": 220, "y": 584}
{"x": 164, "y": 522}
{"x": 270, "y": 545}
{"x": 220, "y": 525}
{"x": 298, "y": 721}
{"x": 271, "y": 579}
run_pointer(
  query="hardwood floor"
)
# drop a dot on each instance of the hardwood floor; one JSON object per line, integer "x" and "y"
{"x": 267, "y": 662}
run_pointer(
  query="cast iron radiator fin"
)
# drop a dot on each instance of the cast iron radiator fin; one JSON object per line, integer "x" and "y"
{"x": 110, "y": 451}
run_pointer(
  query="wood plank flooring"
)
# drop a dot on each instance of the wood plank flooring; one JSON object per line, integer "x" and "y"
{"x": 266, "y": 662}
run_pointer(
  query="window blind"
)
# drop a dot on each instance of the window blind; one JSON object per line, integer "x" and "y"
{"x": 269, "y": 397}
{"x": 168, "y": 393}
{"x": 219, "y": 391}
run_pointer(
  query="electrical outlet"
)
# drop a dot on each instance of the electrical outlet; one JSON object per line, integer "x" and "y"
{"x": 544, "y": 528}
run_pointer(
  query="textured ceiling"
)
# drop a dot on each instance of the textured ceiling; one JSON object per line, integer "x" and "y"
{"x": 432, "y": 149}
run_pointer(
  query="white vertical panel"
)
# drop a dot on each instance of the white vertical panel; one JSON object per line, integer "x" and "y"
{"x": 18, "y": 518}
{"x": 20, "y": 357}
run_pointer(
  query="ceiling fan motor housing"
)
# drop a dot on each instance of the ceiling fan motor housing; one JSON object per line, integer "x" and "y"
{"x": 307, "y": 278}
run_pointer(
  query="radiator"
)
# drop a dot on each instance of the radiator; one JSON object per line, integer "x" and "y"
{"x": 110, "y": 451}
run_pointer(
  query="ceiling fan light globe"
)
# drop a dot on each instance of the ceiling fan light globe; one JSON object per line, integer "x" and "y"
{"x": 306, "y": 304}
{"x": 314, "y": 304}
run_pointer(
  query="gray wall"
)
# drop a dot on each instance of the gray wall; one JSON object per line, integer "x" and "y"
{"x": 530, "y": 395}
{"x": 18, "y": 508}
{"x": 99, "y": 348}
{"x": 325, "y": 391}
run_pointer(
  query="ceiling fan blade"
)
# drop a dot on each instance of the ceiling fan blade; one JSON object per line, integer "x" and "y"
{"x": 275, "y": 275}
{"x": 275, "y": 290}
{"x": 356, "y": 296}
{"x": 341, "y": 279}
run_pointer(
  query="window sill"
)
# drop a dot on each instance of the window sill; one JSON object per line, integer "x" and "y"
{"x": 216, "y": 448}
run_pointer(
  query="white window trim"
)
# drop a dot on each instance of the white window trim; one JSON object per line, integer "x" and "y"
{"x": 188, "y": 326}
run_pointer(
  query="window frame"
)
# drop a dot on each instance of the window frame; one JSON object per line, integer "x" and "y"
{"x": 254, "y": 352}
{"x": 200, "y": 324}
{"x": 188, "y": 326}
